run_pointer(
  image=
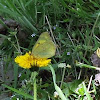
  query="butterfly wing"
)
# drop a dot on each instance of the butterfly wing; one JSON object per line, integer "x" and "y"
{"x": 44, "y": 47}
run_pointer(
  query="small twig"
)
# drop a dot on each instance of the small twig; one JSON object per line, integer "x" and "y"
{"x": 52, "y": 34}
{"x": 97, "y": 68}
{"x": 70, "y": 39}
{"x": 89, "y": 83}
{"x": 80, "y": 74}
{"x": 96, "y": 37}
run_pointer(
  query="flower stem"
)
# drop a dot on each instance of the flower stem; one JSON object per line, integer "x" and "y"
{"x": 35, "y": 90}
{"x": 33, "y": 80}
{"x": 62, "y": 77}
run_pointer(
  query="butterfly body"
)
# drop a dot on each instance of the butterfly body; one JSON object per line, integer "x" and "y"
{"x": 44, "y": 47}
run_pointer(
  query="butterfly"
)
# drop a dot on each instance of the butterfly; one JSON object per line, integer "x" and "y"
{"x": 44, "y": 47}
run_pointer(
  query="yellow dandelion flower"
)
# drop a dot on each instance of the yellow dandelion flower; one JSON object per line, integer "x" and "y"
{"x": 98, "y": 52}
{"x": 24, "y": 61}
{"x": 41, "y": 62}
{"x": 28, "y": 60}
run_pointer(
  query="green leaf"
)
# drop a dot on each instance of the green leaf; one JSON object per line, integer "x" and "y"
{"x": 87, "y": 94}
{"x": 18, "y": 91}
{"x": 59, "y": 91}
{"x": 70, "y": 87}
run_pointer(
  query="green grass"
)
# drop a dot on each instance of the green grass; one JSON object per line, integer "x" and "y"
{"x": 75, "y": 25}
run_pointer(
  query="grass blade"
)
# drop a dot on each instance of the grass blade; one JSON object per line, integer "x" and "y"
{"x": 19, "y": 92}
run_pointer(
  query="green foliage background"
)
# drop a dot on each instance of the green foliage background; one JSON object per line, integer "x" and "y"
{"x": 75, "y": 25}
